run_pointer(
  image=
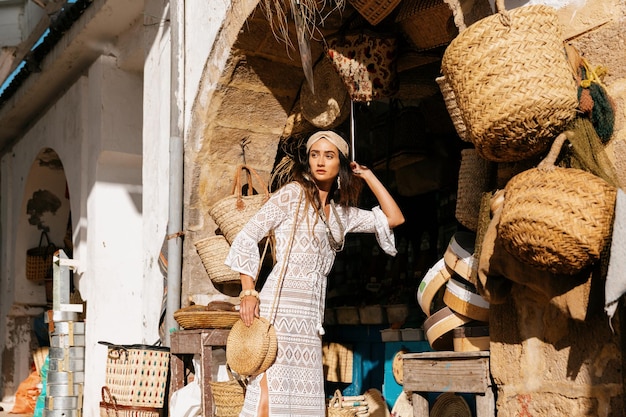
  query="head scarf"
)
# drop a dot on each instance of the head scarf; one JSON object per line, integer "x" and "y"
{"x": 330, "y": 136}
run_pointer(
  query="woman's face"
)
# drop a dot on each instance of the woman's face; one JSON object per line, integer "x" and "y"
{"x": 324, "y": 162}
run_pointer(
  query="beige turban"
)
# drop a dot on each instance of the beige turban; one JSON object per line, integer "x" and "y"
{"x": 330, "y": 136}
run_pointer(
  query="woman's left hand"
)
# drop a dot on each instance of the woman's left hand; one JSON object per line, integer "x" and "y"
{"x": 358, "y": 169}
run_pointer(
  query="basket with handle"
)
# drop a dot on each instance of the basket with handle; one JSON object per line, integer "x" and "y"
{"x": 557, "y": 219}
{"x": 39, "y": 260}
{"x": 136, "y": 375}
{"x": 228, "y": 396}
{"x": 110, "y": 408}
{"x": 233, "y": 212}
{"x": 512, "y": 82}
{"x": 338, "y": 407}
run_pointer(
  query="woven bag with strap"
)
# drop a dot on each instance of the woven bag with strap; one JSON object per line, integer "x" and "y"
{"x": 233, "y": 212}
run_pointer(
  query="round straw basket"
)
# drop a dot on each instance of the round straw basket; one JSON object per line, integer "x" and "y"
{"x": 206, "y": 319}
{"x": 329, "y": 106}
{"x": 251, "y": 350}
{"x": 557, "y": 219}
{"x": 228, "y": 397}
{"x": 213, "y": 251}
{"x": 475, "y": 175}
{"x": 512, "y": 82}
{"x": 233, "y": 212}
{"x": 450, "y": 404}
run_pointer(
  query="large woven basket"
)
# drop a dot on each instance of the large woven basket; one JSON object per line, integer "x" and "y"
{"x": 233, "y": 212}
{"x": 213, "y": 251}
{"x": 137, "y": 375}
{"x": 557, "y": 219}
{"x": 512, "y": 82}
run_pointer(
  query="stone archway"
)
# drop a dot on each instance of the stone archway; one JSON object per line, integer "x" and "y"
{"x": 249, "y": 94}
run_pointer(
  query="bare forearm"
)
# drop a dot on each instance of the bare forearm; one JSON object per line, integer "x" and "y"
{"x": 387, "y": 203}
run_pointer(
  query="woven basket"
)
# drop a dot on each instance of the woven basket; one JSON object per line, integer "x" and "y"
{"x": 110, "y": 408}
{"x": 233, "y": 212}
{"x": 228, "y": 396}
{"x": 213, "y": 251}
{"x": 336, "y": 407}
{"x": 475, "y": 177}
{"x": 137, "y": 375}
{"x": 251, "y": 350}
{"x": 39, "y": 260}
{"x": 206, "y": 319}
{"x": 453, "y": 108}
{"x": 416, "y": 15}
{"x": 450, "y": 404}
{"x": 557, "y": 219}
{"x": 374, "y": 11}
{"x": 329, "y": 105}
{"x": 512, "y": 82}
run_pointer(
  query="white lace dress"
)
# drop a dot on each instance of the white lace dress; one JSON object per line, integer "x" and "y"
{"x": 295, "y": 380}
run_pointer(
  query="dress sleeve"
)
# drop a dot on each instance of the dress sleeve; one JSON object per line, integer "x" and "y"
{"x": 244, "y": 256}
{"x": 372, "y": 221}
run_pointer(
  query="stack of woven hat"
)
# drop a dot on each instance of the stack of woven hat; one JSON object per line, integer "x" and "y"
{"x": 457, "y": 315}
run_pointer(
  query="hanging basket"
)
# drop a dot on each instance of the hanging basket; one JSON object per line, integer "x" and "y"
{"x": 557, "y": 219}
{"x": 233, "y": 212}
{"x": 512, "y": 82}
{"x": 213, "y": 251}
{"x": 39, "y": 260}
{"x": 374, "y": 11}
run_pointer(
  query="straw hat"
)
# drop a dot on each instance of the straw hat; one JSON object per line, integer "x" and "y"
{"x": 376, "y": 403}
{"x": 329, "y": 105}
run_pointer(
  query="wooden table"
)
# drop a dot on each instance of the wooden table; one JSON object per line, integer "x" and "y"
{"x": 190, "y": 342}
{"x": 459, "y": 372}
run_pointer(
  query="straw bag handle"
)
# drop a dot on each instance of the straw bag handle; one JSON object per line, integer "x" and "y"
{"x": 548, "y": 163}
{"x": 279, "y": 284}
{"x": 237, "y": 183}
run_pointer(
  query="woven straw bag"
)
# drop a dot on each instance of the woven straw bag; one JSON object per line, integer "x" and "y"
{"x": 476, "y": 176}
{"x": 337, "y": 408}
{"x": 213, "y": 251}
{"x": 251, "y": 350}
{"x": 131, "y": 368}
{"x": 233, "y": 212}
{"x": 557, "y": 219}
{"x": 228, "y": 396}
{"x": 39, "y": 260}
{"x": 512, "y": 82}
{"x": 374, "y": 11}
{"x": 110, "y": 408}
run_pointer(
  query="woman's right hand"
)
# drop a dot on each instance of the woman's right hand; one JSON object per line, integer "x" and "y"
{"x": 249, "y": 309}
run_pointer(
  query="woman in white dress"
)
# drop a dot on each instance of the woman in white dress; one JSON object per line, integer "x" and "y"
{"x": 323, "y": 195}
